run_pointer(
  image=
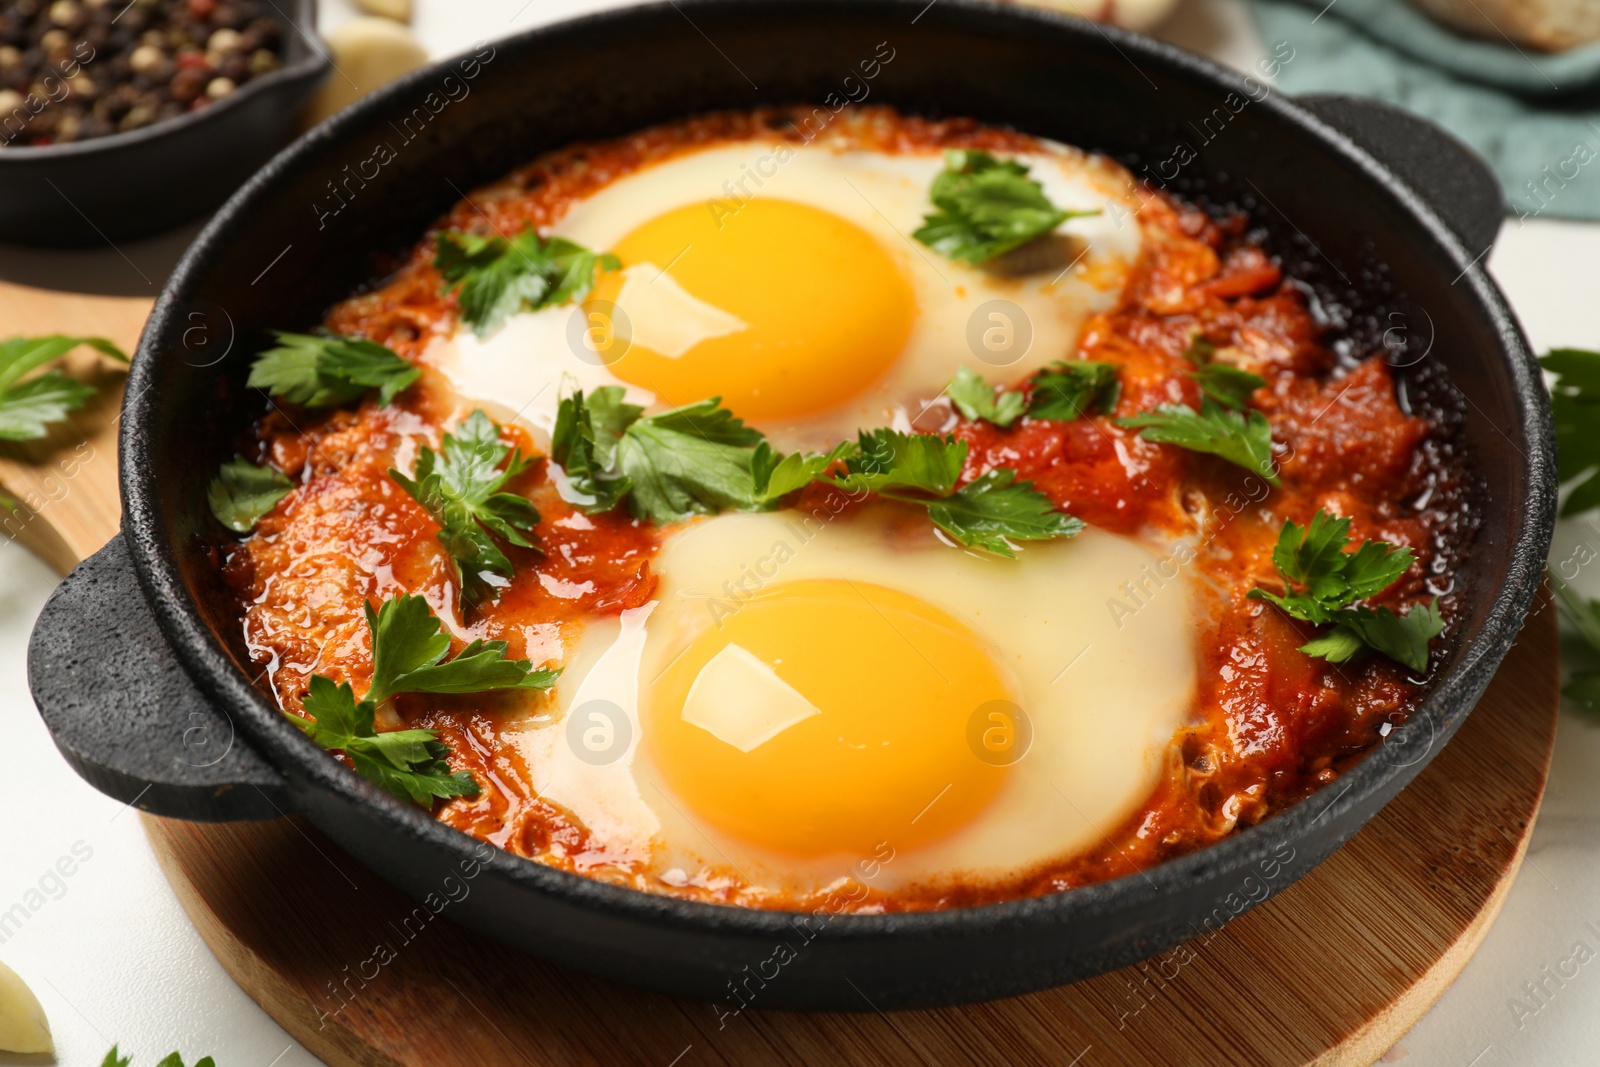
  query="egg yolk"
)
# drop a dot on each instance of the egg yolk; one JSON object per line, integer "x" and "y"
{"x": 826, "y": 716}
{"x": 800, "y": 309}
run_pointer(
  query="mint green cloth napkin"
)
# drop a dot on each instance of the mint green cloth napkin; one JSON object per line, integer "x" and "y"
{"x": 1534, "y": 117}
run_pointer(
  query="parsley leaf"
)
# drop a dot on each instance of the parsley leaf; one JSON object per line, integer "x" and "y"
{"x": 693, "y": 460}
{"x": 987, "y": 207}
{"x": 494, "y": 277}
{"x": 1583, "y": 689}
{"x": 461, "y": 489}
{"x": 700, "y": 459}
{"x": 242, "y": 493}
{"x": 1575, "y": 405}
{"x": 1223, "y": 382}
{"x": 1062, "y": 391}
{"x": 774, "y": 475}
{"x": 1583, "y": 615}
{"x": 1240, "y": 437}
{"x": 175, "y": 1059}
{"x": 886, "y": 460}
{"x": 975, "y": 399}
{"x": 1067, "y": 390}
{"x": 1314, "y": 557}
{"x": 988, "y": 513}
{"x": 325, "y": 370}
{"x": 995, "y": 509}
{"x": 408, "y": 763}
{"x": 1227, "y": 384}
{"x": 1403, "y": 638}
{"x": 27, "y": 408}
{"x": 172, "y": 1059}
{"x": 1322, "y": 582}
{"x": 583, "y": 442}
{"x": 408, "y": 648}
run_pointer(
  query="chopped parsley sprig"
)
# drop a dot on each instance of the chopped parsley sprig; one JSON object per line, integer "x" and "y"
{"x": 114, "y": 1058}
{"x": 1322, "y": 583}
{"x": 242, "y": 493}
{"x": 976, "y": 399}
{"x": 1224, "y": 425}
{"x": 986, "y": 208}
{"x": 1575, "y": 405}
{"x": 1062, "y": 391}
{"x": 1243, "y": 438}
{"x": 990, "y": 513}
{"x": 495, "y": 277}
{"x": 462, "y": 487}
{"x": 408, "y": 650}
{"x": 28, "y": 407}
{"x": 1583, "y": 616}
{"x": 1072, "y": 389}
{"x": 326, "y": 370}
{"x": 1226, "y": 384}
{"x": 700, "y": 459}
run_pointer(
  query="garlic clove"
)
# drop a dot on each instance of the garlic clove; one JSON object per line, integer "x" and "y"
{"x": 368, "y": 53}
{"x": 399, "y": 10}
{"x": 23, "y": 1027}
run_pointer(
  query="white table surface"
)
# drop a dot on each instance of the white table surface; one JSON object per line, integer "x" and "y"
{"x": 113, "y": 958}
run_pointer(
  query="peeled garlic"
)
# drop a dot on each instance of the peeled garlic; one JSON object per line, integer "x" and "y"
{"x": 23, "y": 1027}
{"x": 368, "y": 53}
{"x": 1130, "y": 14}
{"x": 399, "y": 10}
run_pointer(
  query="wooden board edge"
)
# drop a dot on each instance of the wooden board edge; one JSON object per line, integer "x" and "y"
{"x": 1368, "y": 1044}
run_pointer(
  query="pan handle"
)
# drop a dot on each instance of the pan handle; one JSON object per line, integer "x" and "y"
{"x": 125, "y": 713}
{"x": 1450, "y": 176}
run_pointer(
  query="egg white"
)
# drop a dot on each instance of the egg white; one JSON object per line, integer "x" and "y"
{"x": 1105, "y": 694}
{"x": 521, "y": 370}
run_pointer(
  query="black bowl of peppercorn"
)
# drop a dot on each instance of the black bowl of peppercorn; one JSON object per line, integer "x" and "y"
{"x": 122, "y": 118}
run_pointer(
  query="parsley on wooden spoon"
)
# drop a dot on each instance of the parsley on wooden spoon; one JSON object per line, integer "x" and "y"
{"x": 28, "y": 405}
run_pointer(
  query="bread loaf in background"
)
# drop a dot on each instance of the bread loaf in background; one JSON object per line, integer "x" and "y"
{"x": 1551, "y": 25}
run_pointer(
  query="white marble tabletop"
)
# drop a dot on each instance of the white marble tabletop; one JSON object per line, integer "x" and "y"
{"x": 114, "y": 959}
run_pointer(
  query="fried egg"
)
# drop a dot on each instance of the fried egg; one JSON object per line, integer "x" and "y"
{"x": 783, "y": 278}
{"x": 808, "y": 691}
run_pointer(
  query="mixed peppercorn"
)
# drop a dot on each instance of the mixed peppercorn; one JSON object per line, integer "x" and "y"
{"x": 76, "y": 69}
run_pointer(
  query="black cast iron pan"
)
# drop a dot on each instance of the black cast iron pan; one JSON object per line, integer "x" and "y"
{"x": 137, "y": 666}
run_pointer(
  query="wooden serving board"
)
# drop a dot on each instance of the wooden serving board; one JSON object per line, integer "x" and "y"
{"x": 1333, "y": 971}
